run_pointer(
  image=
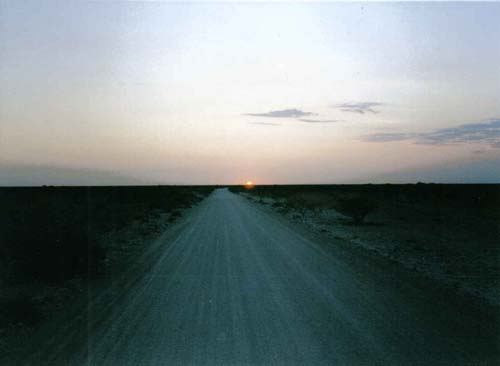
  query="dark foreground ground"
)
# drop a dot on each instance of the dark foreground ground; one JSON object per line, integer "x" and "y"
{"x": 54, "y": 241}
{"x": 233, "y": 282}
{"x": 449, "y": 233}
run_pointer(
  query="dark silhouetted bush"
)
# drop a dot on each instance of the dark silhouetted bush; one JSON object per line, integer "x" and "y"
{"x": 356, "y": 207}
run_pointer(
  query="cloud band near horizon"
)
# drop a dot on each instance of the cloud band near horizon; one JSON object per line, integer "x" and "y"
{"x": 485, "y": 132}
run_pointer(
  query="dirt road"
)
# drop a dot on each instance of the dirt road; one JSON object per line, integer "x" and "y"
{"x": 238, "y": 286}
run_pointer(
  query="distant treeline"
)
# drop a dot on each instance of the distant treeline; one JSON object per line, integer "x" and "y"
{"x": 50, "y": 234}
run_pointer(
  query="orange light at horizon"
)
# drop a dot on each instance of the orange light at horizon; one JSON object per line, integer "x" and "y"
{"x": 249, "y": 184}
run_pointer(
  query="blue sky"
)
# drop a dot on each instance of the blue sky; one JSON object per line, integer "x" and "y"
{"x": 269, "y": 92}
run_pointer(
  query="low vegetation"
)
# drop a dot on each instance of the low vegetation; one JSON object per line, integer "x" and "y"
{"x": 53, "y": 240}
{"x": 449, "y": 232}
{"x": 356, "y": 207}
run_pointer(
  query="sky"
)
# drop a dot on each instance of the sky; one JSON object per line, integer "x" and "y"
{"x": 198, "y": 93}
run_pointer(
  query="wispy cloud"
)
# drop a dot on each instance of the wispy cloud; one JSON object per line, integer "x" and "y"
{"x": 291, "y": 113}
{"x": 285, "y": 113}
{"x": 486, "y": 132}
{"x": 264, "y": 123}
{"x": 306, "y": 120}
{"x": 359, "y": 107}
{"x": 389, "y": 137}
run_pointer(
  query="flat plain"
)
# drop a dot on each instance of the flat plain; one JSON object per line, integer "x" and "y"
{"x": 234, "y": 280}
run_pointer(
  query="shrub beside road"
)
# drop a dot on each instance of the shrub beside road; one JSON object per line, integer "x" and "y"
{"x": 449, "y": 233}
{"x": 56, "y": 240}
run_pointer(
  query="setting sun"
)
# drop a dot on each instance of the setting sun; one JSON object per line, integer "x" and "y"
{"x": 249, "y": 184}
